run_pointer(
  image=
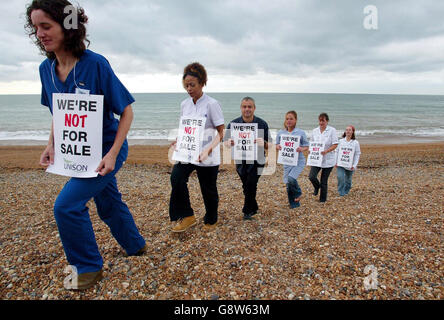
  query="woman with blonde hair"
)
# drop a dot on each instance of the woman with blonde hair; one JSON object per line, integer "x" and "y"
{"x": 291, "y": 173}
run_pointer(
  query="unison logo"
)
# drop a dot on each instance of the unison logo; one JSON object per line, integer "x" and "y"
{"x": 72, "y": 166}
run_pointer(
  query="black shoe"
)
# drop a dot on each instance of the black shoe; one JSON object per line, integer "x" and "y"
{"x": 316, "y": 191}
{"x": 247, "y": 216}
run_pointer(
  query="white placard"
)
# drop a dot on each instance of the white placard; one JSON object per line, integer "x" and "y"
{"x": 345, "y": 156}
{"x": 78, "y": 130}
{"x": 244, "y": 135}
{"x": 315, "y": 157}
{"x": 288, "y": 154}
{"x": 190, "y": 139}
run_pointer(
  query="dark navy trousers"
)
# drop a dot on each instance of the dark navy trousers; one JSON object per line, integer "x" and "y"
{"x": 249, "y": 175}
{"x": 180, "y": 205}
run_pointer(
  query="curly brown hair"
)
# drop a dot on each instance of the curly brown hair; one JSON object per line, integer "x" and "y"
{"x": 196, "y": 70}
{"x": 74, "y": 38}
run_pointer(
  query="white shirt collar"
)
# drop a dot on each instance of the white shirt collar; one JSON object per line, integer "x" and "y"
{"x": 202, "y": 98}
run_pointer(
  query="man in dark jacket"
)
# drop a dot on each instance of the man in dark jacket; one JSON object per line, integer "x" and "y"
{"x": 249, "y": 170}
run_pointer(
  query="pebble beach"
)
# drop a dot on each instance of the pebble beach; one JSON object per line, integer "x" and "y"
{"x": 392, "y": 220}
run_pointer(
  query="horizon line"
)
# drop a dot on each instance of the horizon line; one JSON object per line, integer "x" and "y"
{"x": 260, "y": 92}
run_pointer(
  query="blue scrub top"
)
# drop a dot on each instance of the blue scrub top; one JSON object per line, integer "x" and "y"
{"x": 94, "y": 73}
{"x": 294, "y": 171}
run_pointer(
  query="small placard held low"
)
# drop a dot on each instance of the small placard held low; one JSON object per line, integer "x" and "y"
{"x": 315, "y": 157}
{"x": 190, "y": 139}
{"x": 288, "y": 154}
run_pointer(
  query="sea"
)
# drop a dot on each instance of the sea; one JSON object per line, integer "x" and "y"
{"x": 378, "y": 119}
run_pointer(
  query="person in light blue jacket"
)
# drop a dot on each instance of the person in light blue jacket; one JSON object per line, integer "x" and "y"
{"x": 291, "y": 173}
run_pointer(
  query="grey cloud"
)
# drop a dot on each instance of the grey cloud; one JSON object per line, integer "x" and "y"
{"x": 243, "y": 37}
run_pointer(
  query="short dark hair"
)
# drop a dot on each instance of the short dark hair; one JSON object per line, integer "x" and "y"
{"x": 196, "y": 70}
{"x": 75, "y": 38}
{"x": 324, "y": 115}
{"x": 248, "y": 99}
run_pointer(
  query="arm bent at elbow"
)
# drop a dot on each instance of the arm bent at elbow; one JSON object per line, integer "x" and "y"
{"x": 109, "y": 160}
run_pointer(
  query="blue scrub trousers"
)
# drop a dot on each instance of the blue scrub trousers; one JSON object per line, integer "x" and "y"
{"x": 293, "y": 192}
{"x": 74, "y": 224}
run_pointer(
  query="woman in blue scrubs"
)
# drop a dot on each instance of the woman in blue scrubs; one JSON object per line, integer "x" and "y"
{"x": 71, "y": 68}
{"x": 291, "y": 173}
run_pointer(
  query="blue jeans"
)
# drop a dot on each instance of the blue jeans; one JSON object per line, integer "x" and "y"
{"x": 344, "y": 180}
{"x": 293, "y": 192}
{"x": 74, "y": 223}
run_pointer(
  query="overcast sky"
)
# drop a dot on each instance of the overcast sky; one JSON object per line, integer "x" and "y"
{"x": 250, "y": 45}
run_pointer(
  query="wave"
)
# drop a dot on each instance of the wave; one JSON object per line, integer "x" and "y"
{"x": 150, "y": 134}
{"x": 40, "y": 135}
{"x": 171, "y": 134}
{"x": 417, "y": 132}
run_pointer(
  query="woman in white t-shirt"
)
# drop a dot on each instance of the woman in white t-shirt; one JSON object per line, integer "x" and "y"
{"x": 198, "y": 105}
{"x": 350, "y": 145}
{"x": 327, "y": 135}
